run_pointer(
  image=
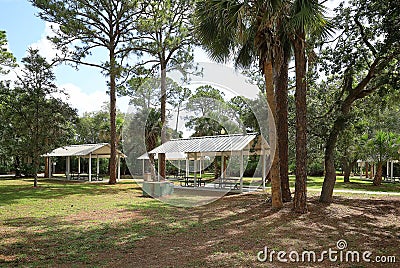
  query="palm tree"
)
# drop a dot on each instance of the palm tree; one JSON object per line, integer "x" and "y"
{"x": 306, "y": 18}
{"x": 245, "y": 30}
{"x": 381, "y": 148}
{"x": 152, "y": 129}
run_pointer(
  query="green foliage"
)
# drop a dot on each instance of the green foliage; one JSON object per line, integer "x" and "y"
{"x": 85, "y": 26}
{"x": 382, "y": 146}
{"x": 94, "y": 127}
{"x": 356, "y": 76}
{"x": 209, "y": 114}
{"x": 6, "y": 58}
{"x": 166, "y": 34}
{"x": 205, "y": 100}
{"x": 315, "y": 169}
{"x": 34, "y": 121}
{"x": 95, "y": 24}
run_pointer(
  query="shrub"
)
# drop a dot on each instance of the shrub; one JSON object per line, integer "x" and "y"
{"x": 315, "y": 169}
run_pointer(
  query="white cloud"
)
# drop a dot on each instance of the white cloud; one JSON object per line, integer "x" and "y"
{"x": 84, "y": 102}
{"x": 89, "y": 102}
{"x": 45, "y": 47}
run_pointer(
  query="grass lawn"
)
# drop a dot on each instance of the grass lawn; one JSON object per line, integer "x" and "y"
{"x": 67, "y": 224}
{"x": 355, "y": 184}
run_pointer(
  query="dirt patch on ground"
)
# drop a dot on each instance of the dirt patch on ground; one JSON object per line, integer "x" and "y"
{"x": 121, "y": 215}
{"x": 227, "y": 233}
{"x": 231, "y": 231}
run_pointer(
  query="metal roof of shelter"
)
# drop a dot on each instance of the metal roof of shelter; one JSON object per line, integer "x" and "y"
{"x": 217, "y": 145}
{"x": 103, "y": 150}
{"x": 168, "y": 156}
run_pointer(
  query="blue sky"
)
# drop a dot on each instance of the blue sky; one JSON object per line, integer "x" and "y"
{"x": 87, "y": 86}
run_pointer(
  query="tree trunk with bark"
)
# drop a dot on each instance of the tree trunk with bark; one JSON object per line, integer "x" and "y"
{"x": 162, "y": 160}
{"x": 300, "y": 195}
{"x": 35, "y": 170}
{"x": 378, "y": 175}
{"x": 17, "y": 166}
{"x": 274, "y": 172}
{"x": 217, "y": 171}
{"x": 113, "y": 115}
{"x": 371, "y": 173}
{"x": 347, "y": 167}
{"x": 355, "y": 93}
{"x": 346, "y": 171}
{"x": 46, "y": 167}
{"x": 281, "y": 82}
{"x": 330, "y": 170}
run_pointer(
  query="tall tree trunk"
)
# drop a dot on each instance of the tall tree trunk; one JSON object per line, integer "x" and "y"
{"x": 217, "y": 172}
{"x": 46, "y": 167}
{"x": 366, "y": 170}
{"x": 161, "y": 168}
{"x": 330, "y": 170}
{"x": 113, "y": 115}
{"x": 152, "y": 169}
{"x": 347, "y": 167}
{"x": 225, "y": 166}
{"x": 17, "y": 166}
{"x": 300, "y": 196}
{"x": 274, "y": 172}
{"x": 281, "y": 83}
{"x": 346, "y": 171}
{"x": 378, "y": 175}
{"x": 371, "y": 173}
{"x": 35, "y": 162}
{"x": 178, "y": 110}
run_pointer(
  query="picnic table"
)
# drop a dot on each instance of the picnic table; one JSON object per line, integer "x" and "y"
{"x": 85, "y": 176}
{"x": 231, "y": 183}
{"x": 189, "y": 182}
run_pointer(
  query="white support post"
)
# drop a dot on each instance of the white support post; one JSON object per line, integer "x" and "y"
{"x": 143, "y": 166}
{"x": 119, "y": 168}
{"x": 195, "y": 170}
{"x": 263, "y": 166}
{"x": 68, "y": 167}
{"x": 241, "y": 171}
{"x": 79, "y": 165}
{"x": 391, "y": 170}
{"x": 90, "y": 167}
{"x": 187, "y": 167}
{"x": 222, "y": 167}
{"x": 50, "y": 167}
{"x": 97, "y": 166}
{"x": 361, "y": 169}
{"x": 387, "y": 169}
{"x": 200, "y": 167}
{"x": 158, "y": 168}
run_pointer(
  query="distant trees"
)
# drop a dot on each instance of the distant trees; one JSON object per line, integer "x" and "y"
{"x": 381, "y": 147}
{"x": 7, "y": 59}
{"x": 243, "y": 30}
{"x": 97, "y": 24}
{"x": 33, "y": 120}
{"x": 166, "y": 41}
{"x": 365, "y": 60}
{"x": 94, "y": 127}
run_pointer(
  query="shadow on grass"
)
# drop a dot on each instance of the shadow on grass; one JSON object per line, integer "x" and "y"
{"x": 226, "y": 233}
{"x": 22, "y": 189}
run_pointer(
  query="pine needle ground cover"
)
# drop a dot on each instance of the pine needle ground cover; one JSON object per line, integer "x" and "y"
{"x": 67, "y": 224}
